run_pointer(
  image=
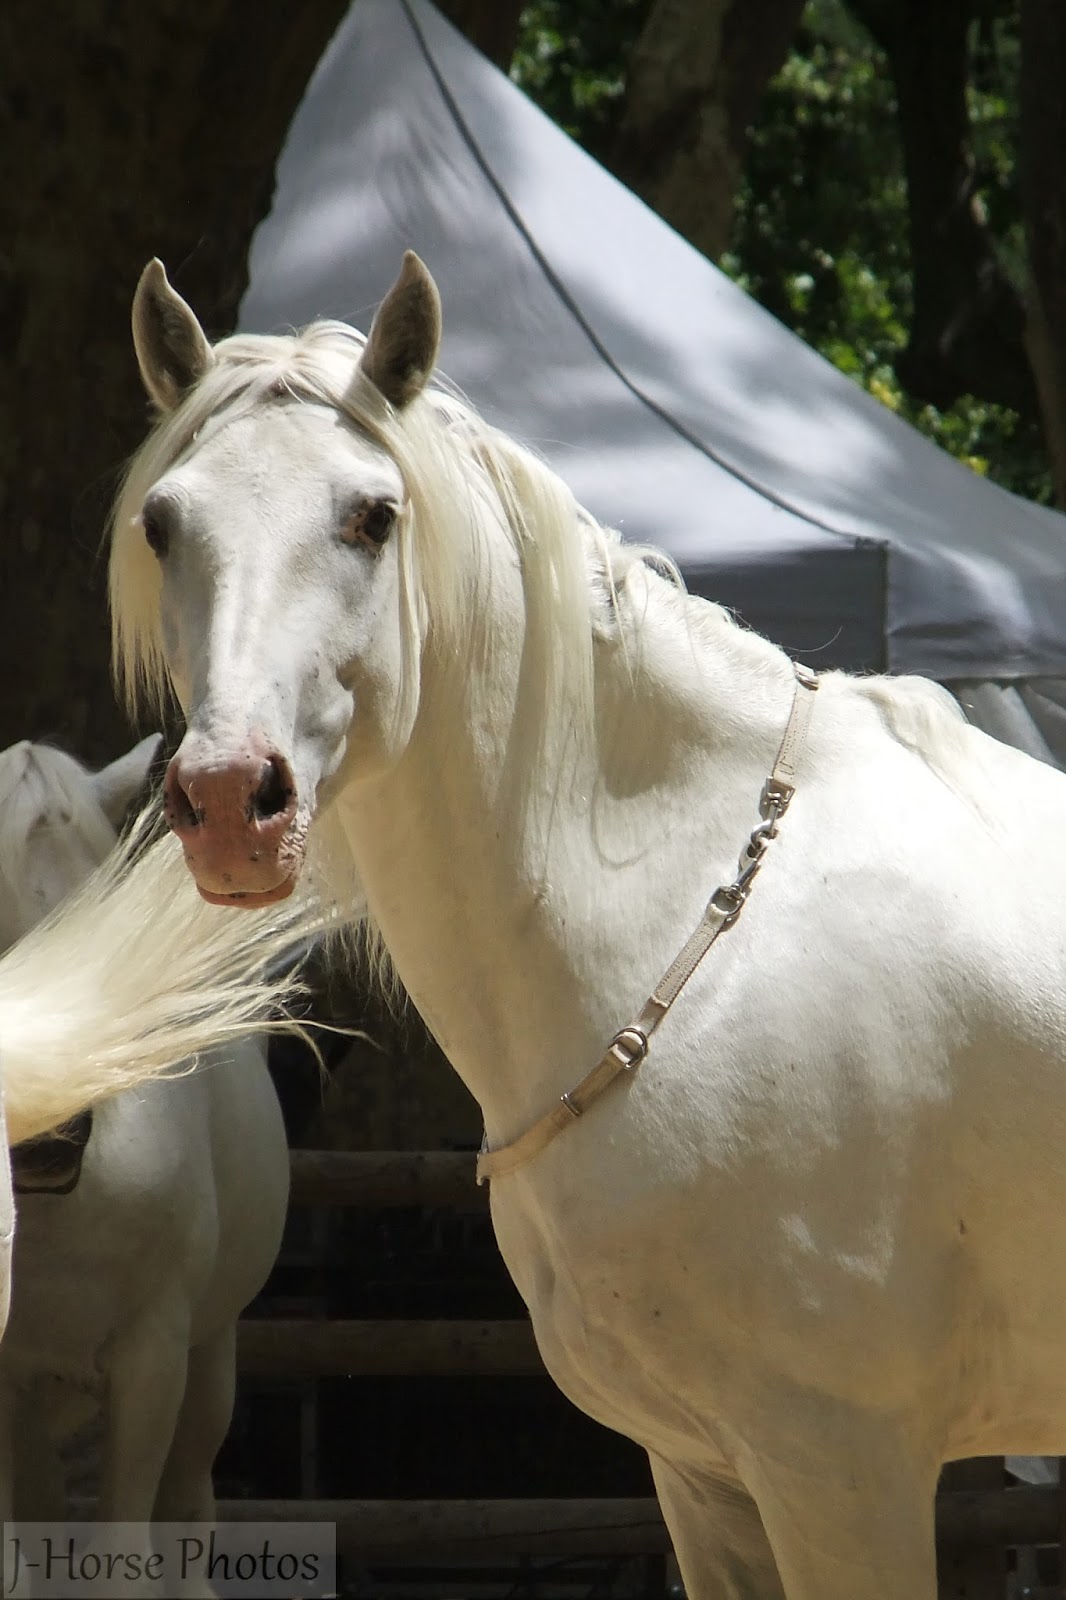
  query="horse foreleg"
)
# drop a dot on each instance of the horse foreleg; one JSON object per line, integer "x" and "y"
{"x": 851, "y": 1517}
{"x": 148, "y": 1369}
{"x": 718, "y": 1537}
{"x": 147, "y": 1383}
{"x": 32, "y": 1484}
{"x": 40, "y": 1485}
{"x": 8, "y": 1402}
{"x": 186, "y": 1493}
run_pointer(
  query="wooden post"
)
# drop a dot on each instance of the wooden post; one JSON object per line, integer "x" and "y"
{"x": 972, "y": 1571}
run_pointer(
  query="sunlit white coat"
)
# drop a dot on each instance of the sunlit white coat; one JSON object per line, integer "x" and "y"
{"x": 816, "y": 1244}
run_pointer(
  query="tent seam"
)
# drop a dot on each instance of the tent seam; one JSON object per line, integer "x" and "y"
{"x": 567, "y": 299}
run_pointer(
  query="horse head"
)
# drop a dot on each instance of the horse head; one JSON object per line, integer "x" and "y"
{"x": 58, "y": 821}
{"x": 261, "y": 531}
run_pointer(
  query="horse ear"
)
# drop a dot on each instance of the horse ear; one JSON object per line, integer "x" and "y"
{"x": 172, "y": 349}
{"x": 116, "y": 786}
{"x": 405, "y": 335}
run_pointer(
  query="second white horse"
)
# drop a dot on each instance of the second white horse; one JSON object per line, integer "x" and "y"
{"x": 126, "y": 1290}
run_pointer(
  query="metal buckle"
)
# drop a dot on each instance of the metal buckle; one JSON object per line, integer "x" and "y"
{"x": 773, "y": 802}
{"x": 729, "y": 899}
{"x": 629, "y": 1047}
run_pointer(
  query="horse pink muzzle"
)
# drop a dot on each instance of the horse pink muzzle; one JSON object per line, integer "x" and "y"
{"x": 235, "y": 814}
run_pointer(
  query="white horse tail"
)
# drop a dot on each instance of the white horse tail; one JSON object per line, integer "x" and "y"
{"x": 131, "y": 975}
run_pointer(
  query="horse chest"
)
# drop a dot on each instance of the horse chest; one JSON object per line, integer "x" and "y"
{"x": 61, "y": 1320}
{"x": 72, "y": 1350}
{"x": 706, "y": 1237}
{"x": 637, "y": 1335}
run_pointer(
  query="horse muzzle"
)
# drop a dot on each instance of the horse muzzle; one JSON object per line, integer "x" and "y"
{"x": 235, "y": 813}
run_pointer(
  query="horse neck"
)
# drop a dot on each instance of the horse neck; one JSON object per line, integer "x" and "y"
{"x": 529, "y": 920}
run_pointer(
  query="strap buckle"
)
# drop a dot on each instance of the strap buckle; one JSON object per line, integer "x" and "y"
{"x": 729, "y": 899}
{"x": 773, "y": 802}
{"x": 629, "y": 1048}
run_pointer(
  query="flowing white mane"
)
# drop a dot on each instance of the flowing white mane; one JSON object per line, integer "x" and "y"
{"x": 465, "y": 480}
{"x": 131, "y": 974}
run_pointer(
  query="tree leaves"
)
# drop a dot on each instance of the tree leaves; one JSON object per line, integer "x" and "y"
{"x": 822, "y": 225}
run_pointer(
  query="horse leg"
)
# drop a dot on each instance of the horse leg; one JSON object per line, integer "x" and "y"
{"x": 718, "y": 1537}
{"x": 852, "y": 1518}
{"x": 40, "y": 1486}
{"x": 32, "y": 1486}
{"x": 8, "y": 1402}
{"x": 147, "y": 1382}
{"x": 186, "y": 1492}
{"x": 148, "y": 1366}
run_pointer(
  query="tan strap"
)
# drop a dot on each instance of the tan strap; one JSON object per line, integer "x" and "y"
{"x": 795, "y": 735}
{"x": 629, "y": 1047}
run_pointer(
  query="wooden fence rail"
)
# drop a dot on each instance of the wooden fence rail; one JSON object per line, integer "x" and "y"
{"x": 602, "y": 1527}
{"x": 448, "y": 1529}
{"x": 382, "y": 1178}
{"x": 299, "y": 1348}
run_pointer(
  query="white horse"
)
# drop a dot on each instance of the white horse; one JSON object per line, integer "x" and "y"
{"x": 126, "y": 979}
{"x": 127, "y": 1290}
{"x": 815, "y": 1243}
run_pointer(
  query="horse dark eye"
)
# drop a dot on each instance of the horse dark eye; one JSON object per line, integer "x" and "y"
{"x": 378, "y": 522}
{"x": 156, "y": 534}
{"x": 369, "y": 524}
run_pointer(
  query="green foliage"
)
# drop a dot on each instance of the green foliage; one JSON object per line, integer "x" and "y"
{"x": 821, "y": 217}
{"x": 821, "y": 222}
{"x": 571, "y": 59}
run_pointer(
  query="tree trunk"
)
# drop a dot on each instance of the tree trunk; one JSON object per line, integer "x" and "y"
{"x": 967, "y": 329}
{"x": 126, "y": 131}
{"x": 1043, "y": 181}
{"x": 492, "y": 25}
{"x": 696, "y": 77}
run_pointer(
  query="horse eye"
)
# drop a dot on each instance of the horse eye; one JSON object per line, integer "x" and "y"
{"x": 156, "y": 533}
{"x": 370, "y": 524}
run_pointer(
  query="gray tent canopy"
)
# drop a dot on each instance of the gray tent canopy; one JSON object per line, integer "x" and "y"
{"x": 678, "y": 410}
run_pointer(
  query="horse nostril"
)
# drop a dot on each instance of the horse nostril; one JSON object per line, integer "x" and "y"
{"x": 181, "y": 814}
{"x": 274, "y": 792}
